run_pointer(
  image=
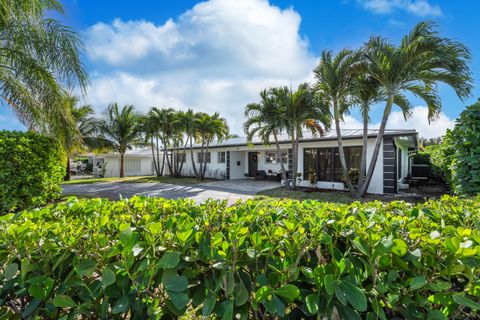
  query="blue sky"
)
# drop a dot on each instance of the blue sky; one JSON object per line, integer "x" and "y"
{"x": 217, "y": 55}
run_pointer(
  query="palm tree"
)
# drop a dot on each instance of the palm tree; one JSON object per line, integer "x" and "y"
{"x": 84, "y": 135}
{"x": 120, "y": 130}
{"x": 365, "y": 92}
{"x": 210, "y": 128}
{"x": 421, "y": 61}
{"x": 39, "y": 65}
{"x": 188, "y": 120}
{"x": 163, "y": 121}
{"x": 334, "y": 80}
{"x": 301, "y": 110}
{"x": 149, "y": 130}
{"x": 266, "y": 119}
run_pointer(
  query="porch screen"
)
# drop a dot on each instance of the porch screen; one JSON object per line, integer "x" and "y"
{"x": 326, "y": 162}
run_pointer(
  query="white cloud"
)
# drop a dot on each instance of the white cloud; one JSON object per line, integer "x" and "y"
{"x": 420, "y": 8}
{"x": 217, "y": 56}
{"x": 418, "y": 121}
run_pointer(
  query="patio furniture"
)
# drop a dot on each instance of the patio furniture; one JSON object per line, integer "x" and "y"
{"x": 261, "y": 175}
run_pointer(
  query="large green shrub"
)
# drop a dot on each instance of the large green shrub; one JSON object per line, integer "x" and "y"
{"x": 465, "y": 144}
{"x": 31, "y": 169}
{"x": 151, "y": 258}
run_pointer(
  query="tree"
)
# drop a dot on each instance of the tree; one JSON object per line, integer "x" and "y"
{"x": 120, "y": 130}
{"x": 365, "y": 92}
{"x": 334, "y": 80}
{"x": 39, "y": 65}
{"x": 163, "y": 120}
{"x": 302, "y": 109}
{"x": 151, "y": 137}
{"x": 188, "y": 120}
{"x": 266, "y": 119}
{"x": 85, "y": 134}
{"x": 421, "y": 61}
{"x": 210, "y": 128}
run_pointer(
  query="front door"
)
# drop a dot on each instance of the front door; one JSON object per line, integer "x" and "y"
{"x": 252, "y": 164}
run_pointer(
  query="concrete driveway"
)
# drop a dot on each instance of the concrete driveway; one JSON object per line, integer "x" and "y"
{"x": 231, "y": 190}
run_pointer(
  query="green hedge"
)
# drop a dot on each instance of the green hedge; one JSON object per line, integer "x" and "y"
{"x": 152, "y": 258}
{"x": 31, "y": 170}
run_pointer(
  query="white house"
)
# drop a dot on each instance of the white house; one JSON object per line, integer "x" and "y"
{"x": 237, "y": 159}
{"x": 136, "y": 163}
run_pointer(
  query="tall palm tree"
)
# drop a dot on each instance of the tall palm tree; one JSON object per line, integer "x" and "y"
{"x": 39, "y": 65}
{"x": 365, "y": 91}
{"x": 334, "y": 80}
{"x": 149, "y": 130}
{"x": 210, "y": 128}
{"x": 188, "y": 120}
{"x": 302, "y": 110}
{"x": 421, "y": 61}
{"x": 120, "y": 130}
{"x": 266, "y": 119}
{"x": 84, "y": 136}
{"x": 164, "y": 123}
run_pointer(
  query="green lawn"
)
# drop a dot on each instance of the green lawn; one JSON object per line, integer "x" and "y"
{"x": 328, "y": 196}
{"x": 138, "y": 179}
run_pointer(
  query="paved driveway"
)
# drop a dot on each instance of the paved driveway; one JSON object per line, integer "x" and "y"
{"x": 231, "y": 190}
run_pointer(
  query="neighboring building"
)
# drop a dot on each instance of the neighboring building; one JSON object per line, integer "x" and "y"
{"x": 237, "y": 159}
{"x": 136, "y": 163}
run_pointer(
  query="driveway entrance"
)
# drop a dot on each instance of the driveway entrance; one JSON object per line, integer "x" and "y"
{"x": 230, "y": 190}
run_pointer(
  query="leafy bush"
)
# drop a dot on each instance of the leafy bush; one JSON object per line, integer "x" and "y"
{"x": 151, "y": 258}
{"x": 30, "y": 172}
{"x": 465, "y": 145}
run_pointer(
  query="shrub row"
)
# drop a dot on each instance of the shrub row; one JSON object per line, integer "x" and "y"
{"x": 153, "y": 258}
{"x": 31, "y": 170}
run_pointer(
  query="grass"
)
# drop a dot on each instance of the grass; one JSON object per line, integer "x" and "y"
{"x": 329, "y": 196}
{"x": 138, "y": 179}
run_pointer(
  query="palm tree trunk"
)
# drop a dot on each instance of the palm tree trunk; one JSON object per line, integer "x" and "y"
{"x": 205, "y": 161}
{"x": 159, "y": 172}
{"x": 294, "y": 162}
{"x": 341, "y": 151}
{"x": 378, "y": 143}
{"x": 122, "y": 173}
{"x": 67, "y": 173}
{"x": 192, "y": 158}
{"x": 163, "y": 164}
{"x": 184, "y": 156}
{"x": 169, "y": 165}
{"x": 202, "y": 163}
{"x": 363, "y": 161}
{"x": 279, "y": 156}
{"x": 153, "y": 155}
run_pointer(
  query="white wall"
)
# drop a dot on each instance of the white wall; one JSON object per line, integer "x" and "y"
{"x": 237, "y": 171}
{"x": 214, "y": 169}
{"x": 113, "y": 165}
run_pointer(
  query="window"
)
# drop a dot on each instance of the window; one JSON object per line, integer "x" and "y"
{"x": 326, "y": 162}
{"x": 133, "y": 165}
{"x": 200, "y": 157}
{"x": 221, "y": 157}
{"x": 181, "y": 157}
{"x": 271, "y": 157}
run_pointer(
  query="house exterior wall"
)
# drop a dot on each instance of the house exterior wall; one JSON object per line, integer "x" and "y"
{"x": 113, "y": 165}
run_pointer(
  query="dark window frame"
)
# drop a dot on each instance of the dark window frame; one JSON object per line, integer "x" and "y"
{"x": 333, "y": 159}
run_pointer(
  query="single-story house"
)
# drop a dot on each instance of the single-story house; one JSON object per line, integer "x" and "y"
{"x": 238, "y": 159}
